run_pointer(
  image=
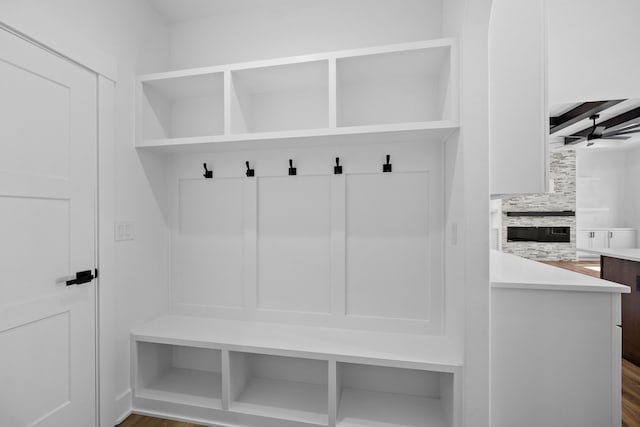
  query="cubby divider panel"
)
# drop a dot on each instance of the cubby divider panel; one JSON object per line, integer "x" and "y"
{"x": 181, "y": 107}
{"x": 179, "y": 374}
{"x": 391, "y": 397}
{"x": 288, "y": 388}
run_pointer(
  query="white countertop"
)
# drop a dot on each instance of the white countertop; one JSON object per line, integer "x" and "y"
{"x": 510, "y": 271}
{"x": 630, "y": 254}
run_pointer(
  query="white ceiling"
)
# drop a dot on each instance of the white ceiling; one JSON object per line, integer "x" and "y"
{"x": 183, "y": 10}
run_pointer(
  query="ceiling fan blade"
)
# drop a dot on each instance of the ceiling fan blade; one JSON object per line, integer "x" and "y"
{"x": 620, "y": 138}
{"x": 628, "y": 127}
{"x": 597, "y": 131}
{"x": 626, "y": 132}
{"x": 569, "y": 140}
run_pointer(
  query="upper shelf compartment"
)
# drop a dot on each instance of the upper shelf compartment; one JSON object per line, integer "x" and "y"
{"x": 180, "y": 107}
{"x": 280, "y": 98}
{"x": 394, "y": 87}
{"x": 388, "y": 93}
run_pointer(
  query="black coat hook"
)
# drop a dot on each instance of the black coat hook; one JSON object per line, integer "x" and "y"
{"x": 292, "y": 170}
{"x": 387, "y": 166}
{"x": 207, "y": 172}
{"x": 337, "y": 169}
{"x": 250, "y": 172}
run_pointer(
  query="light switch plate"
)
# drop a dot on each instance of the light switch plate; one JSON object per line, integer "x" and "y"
{"x": 124, "y": 230}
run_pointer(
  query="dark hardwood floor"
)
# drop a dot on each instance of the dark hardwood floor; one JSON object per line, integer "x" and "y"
{"x": 630, "y": 394}
{"x": 630, "y": 375}
{"x": 578, "y": 266}
{"x": 135, "y": 420}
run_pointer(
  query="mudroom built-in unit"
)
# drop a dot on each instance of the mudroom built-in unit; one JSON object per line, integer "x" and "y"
{"x": 306, "y": 201}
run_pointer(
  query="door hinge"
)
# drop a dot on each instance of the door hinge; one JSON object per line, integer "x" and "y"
{"x": 82, "y": 277}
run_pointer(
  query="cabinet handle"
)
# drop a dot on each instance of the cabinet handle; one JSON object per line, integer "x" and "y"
{"x": 611, "y": 234}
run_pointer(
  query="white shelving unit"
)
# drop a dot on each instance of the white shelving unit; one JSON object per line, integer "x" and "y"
{"x": 394, "y": 87}
{"x": 179, "y": 374}
{"x": 363, "y": 95}
{"x": 280, "y": 98}
{"x": 383, "y": 396}
{"x": 294, "y": 249}
{"x": 182, "y": 106}
{"x": 279, "y": 387}
{"x": 292, "y": 374}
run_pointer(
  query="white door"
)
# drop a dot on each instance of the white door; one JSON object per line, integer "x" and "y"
{"x": 48, "y": 128}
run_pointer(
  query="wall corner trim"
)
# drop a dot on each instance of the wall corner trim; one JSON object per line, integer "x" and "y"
{"x": 81, "y": 54}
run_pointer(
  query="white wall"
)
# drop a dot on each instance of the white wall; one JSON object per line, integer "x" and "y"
{"x": 632, "y": 191}
{"x": 602, "y": 183}
{"x": 593, "y": 52}
{"x": 136, "y": 36}
{"x": 301, "y": 27}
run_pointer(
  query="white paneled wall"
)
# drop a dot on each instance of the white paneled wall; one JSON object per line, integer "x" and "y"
{"x": 294, "y": 243}
{"x": 388, "y": 246}
{"x": 208, "y": 248}
{"x": 361, "y": 249}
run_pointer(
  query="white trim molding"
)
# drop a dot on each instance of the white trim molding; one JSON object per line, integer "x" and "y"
{"x": 93, "y": 59}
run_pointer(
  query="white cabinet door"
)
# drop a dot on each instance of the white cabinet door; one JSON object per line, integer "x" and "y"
{"x": 599, "y": 239}
{"x": 47, "y": 228}
{"x": 519, "y": 120}
{"x": 621, "y": 239}
{"x": 583, "y": 239}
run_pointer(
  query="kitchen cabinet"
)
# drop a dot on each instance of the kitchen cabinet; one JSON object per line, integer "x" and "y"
{"x": 606, "y": 238}
{"x": 626, "y": 272}
{"x": 591, "y": 239}
{"x": 547, "y": 325}
{"x": 518, "y": 99}
{"x": 620, "y": 239}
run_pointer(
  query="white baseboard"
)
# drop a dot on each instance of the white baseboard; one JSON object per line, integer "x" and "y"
{"x": 178, "y": 418}
{"x": 123, "y": 406}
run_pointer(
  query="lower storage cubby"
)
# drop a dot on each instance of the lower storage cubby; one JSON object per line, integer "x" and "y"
{"x": 379, "y": 396}
{"x": 179, "y": 374}
{"x": 287, "y": 388}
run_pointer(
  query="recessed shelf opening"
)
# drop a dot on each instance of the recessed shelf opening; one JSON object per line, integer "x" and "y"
{"x": 280, "y": 98}
{"x": 179, "y": 374}
{"x": 384, "y": 396}
{"x": 280, "y": 387}
{"x": 397, "y": 87}
{"x": 183, "y": 107}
